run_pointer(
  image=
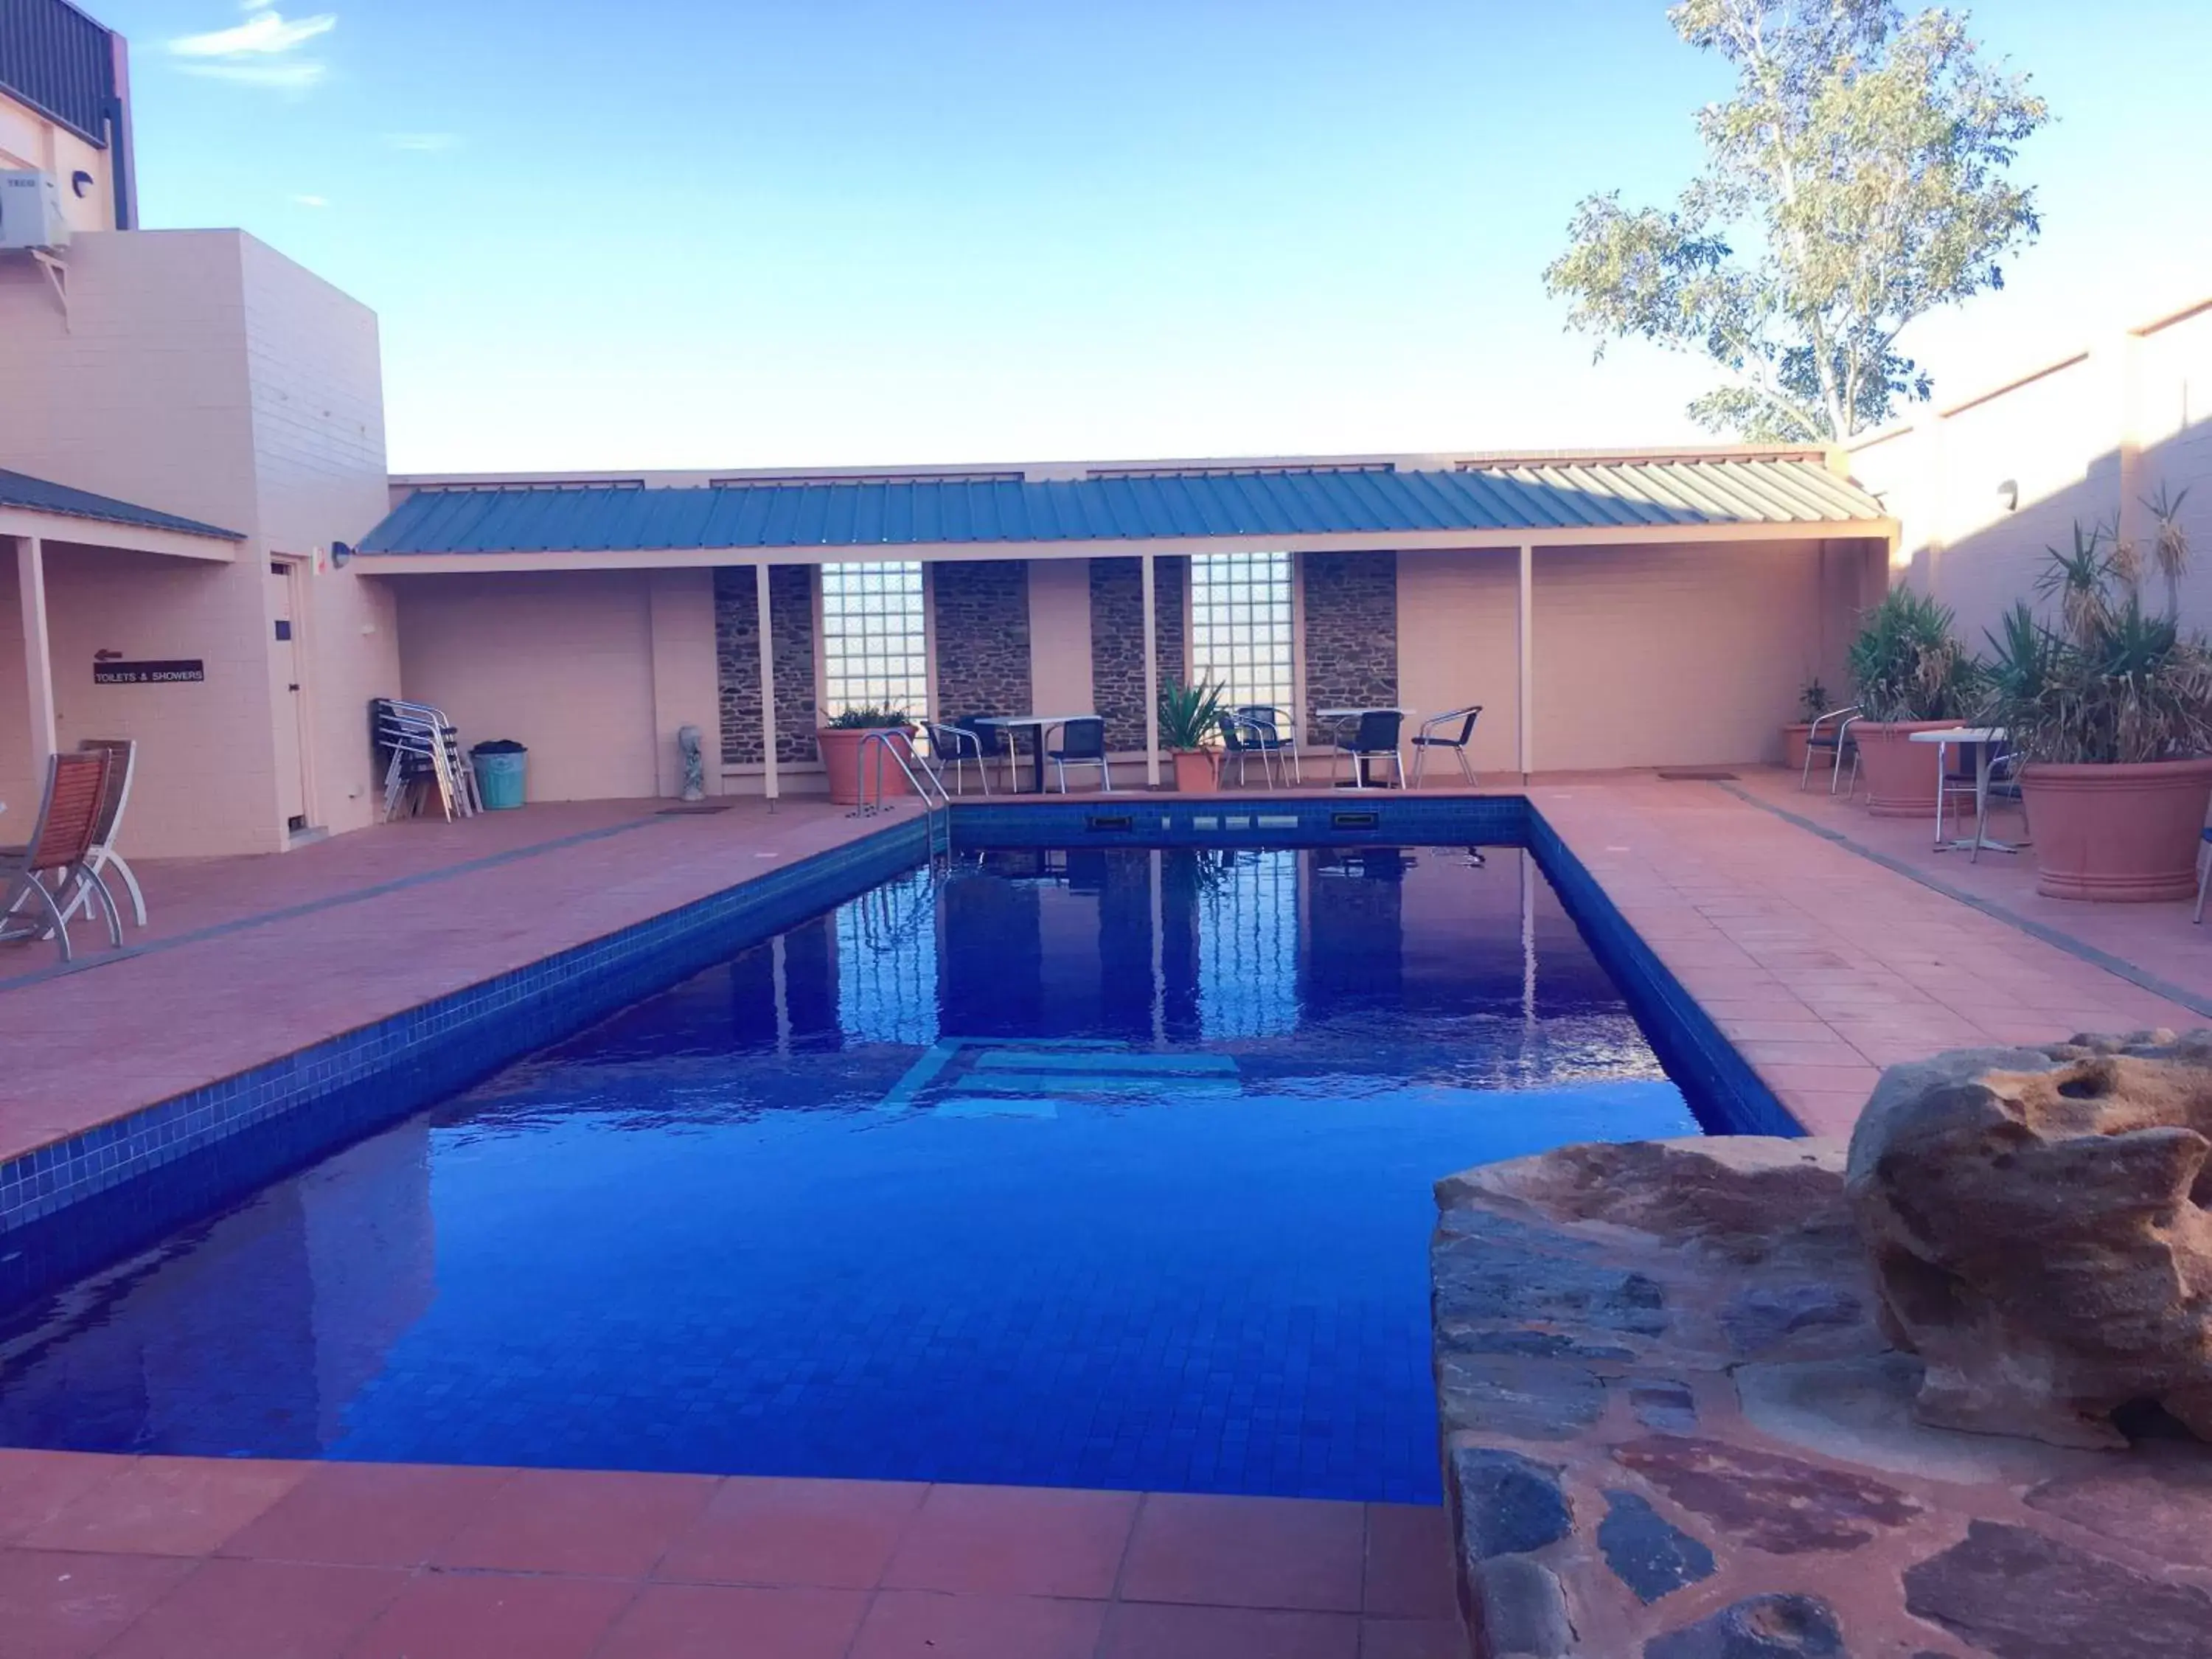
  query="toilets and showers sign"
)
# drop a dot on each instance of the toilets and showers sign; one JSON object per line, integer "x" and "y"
{"x": 181, "y": 671}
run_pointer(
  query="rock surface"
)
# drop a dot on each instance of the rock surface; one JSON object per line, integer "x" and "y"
{"x": 1675, "y": 1427}
{"x": 2039, "y": 1224}
{"x": 1782, "y": 1626}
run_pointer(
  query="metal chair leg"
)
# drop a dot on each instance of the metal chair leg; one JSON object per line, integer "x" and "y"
{"x": 98, "y": 883}
{"x": 56, "y": 926}
{"x": 1421, "y": 762}
{"x": 1466, "y": 770}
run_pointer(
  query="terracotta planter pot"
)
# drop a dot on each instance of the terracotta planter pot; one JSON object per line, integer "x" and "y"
{"x": 1793, "y": 746}
{"x": 1197, "y": 771}
{"x": 2123, "y": 834}
{"x": 1900, "y": 776}
{"x": 840, "y": 759}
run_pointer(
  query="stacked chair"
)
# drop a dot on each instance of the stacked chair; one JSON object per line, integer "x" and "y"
{"x": 423, "y": 764}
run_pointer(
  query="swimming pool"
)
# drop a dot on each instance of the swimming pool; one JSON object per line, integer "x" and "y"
{"x": 1101, "y": 1167}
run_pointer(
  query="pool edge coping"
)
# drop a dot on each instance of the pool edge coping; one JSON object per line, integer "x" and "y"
{"x": 43, "y": 1184}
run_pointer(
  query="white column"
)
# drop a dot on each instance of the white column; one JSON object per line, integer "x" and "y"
{"x": 38, "y": 653}
{"x": 1527, "y": 642}
{"x": 1151, "y": 678}
{"x": 770, "y": 785}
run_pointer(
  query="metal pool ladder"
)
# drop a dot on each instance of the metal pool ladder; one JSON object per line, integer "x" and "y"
{"x": 936, "y": 803}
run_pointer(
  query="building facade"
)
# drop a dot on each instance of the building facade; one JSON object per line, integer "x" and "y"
{"x": 205, "y": 552}
{"x": 1605, "y": 611}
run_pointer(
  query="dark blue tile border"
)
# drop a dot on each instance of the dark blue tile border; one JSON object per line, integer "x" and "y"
{"x": 1350, "y": 820}
{"x": 1721, "y": 1087}
{"x": 96, "y": 1197}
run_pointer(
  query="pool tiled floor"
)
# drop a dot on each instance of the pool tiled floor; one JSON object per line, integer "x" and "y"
{"x": 183, "y": 1557}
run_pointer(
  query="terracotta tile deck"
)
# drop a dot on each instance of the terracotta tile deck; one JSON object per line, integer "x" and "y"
{"x": 249, "y": 959}
{"x": 1822, "y": 964}
{"x": 1821, "y": 951}
{"x": 312, "y": 1561}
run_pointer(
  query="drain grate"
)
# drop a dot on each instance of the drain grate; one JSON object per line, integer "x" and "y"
{"x": 693, "y": 809}
{"x": 1695, "y": 775}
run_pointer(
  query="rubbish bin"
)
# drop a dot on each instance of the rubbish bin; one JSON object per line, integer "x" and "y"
{"x": 500, "y": 766}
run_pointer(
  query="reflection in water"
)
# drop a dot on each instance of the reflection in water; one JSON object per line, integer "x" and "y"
{"x": 1090, "y": 1167}
{"x": 252, "y": 1332}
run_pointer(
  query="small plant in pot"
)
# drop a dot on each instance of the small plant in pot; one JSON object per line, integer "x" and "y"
{"x": 1190, "y": 728}
{"x": 1812, "y": 703}
{"x": 1912, "y": 675}
{"x": 843, "y": 738}
{"x": 2109, "y": 706}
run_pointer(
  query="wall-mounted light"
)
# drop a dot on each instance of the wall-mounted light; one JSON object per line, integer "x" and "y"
{"x": 80, "y": 183}
{"x": 341, "y": 555}
{"x": 2009, "y": 493}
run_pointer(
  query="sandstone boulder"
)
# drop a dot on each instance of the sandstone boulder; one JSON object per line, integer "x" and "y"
{"x": 2039, "y": 1223}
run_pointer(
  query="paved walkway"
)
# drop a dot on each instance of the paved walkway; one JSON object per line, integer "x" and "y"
{"x": 1822, "y": 964}
{"x": 188, "y": 1558}
{"x": 249, "y": 959}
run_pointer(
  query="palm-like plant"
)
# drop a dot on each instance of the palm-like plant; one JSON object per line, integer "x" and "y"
{"x": 1907, "y": 663}
{"x": 2111, "y": 684}
{"x": 867, "y": 717}
{"x": 1190, "y": 715}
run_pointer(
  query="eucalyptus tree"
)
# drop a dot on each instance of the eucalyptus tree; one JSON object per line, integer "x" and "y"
{"x": 1856, "y": 179}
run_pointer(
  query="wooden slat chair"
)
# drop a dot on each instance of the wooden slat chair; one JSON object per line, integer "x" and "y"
{"x": 103, "y": 858}
{"x": 61, "y": 839}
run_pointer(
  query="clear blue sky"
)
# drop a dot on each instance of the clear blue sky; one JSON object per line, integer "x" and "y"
{"x": 830, "y": 232}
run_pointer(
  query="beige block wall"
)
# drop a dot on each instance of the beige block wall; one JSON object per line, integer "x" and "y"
{"x": 686, "y": 687}
{"x": 2085, "y": 440}
{"x": 142, "y": 393}
{"x": 314, "y": 384}
{"x": 201, "y": 373}
{"x": 1458, "y": 642}
{"x": 1060, "y": 636}
{"x": 1688, "y": 655}
{"x": 560, "y": 661}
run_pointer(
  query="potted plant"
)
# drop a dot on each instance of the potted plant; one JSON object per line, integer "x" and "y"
{"x": 841, "y": 739}
{"x": 1812, "y": 702}
{"x": 2110, "y": 709}
{"x": 1912, "y": 675}
{"x": 1190, "y": 727}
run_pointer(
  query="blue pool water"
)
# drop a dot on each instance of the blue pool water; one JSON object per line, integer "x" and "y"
{"x": 1102, "y": 1168}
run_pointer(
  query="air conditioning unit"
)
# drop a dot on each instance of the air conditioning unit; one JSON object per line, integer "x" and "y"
{"x": 31, "y": 211}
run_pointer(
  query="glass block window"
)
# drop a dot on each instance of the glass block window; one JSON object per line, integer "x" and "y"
{"x": 1248, "y": 945}
{"x": 873, "y": 637}
{"x": 1240, "y": 626}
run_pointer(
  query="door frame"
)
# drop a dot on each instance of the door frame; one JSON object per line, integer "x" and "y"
{"x": 295, "y": 569}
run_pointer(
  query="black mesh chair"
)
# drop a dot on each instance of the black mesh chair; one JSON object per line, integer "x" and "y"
{"x": 1372, "y": 737}
{"x": 951, "y": 749}
{"x": 1436, "y": 733}
{"x": 1082, "y": 743}
{"x": 1272, "y": 732}
{"x": 993, "y": 741}
{"x": 1242, "y": 740}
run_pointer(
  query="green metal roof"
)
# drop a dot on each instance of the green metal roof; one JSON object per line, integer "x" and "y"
{"x": 20, "y": 489}
{"x": 1320, "y": 500}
